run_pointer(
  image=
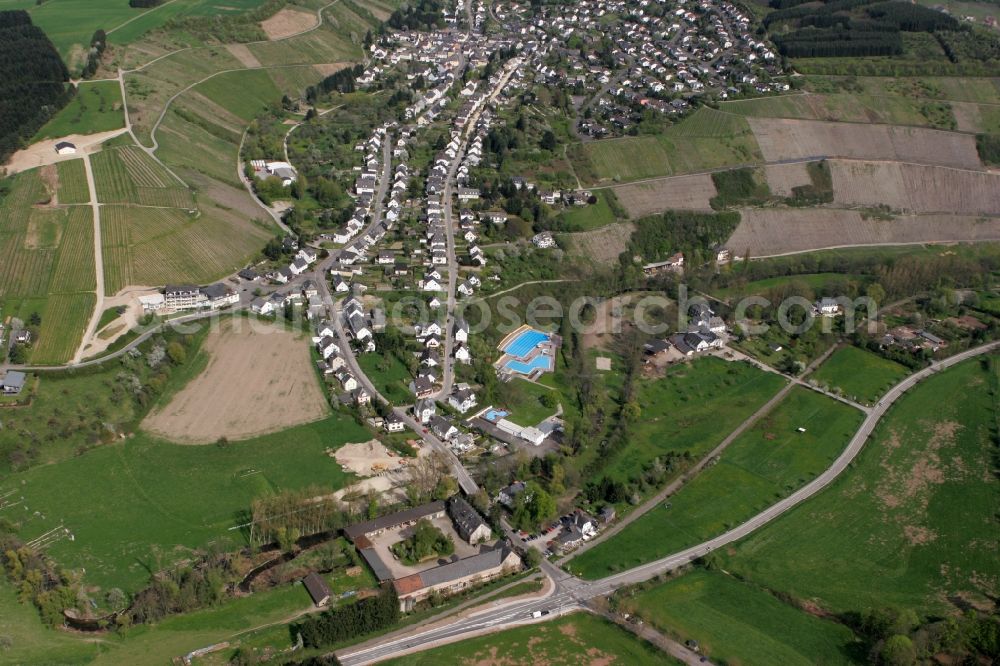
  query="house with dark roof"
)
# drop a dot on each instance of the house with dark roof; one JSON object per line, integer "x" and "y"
{"x": 468, "y": 523}
{"x": 317, "y": 588}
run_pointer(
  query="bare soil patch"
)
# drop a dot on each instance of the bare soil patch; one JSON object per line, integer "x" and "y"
{"x": 682, "y": 192}
{"x": 781, "y": 178}
{"x": 287, "y": 22}
{"x": 769, "y": 232}
{"x": 50, "y": 177}
{"x": 601, "y": 245}
{"x": 258, "y": 379}
{"x": 915, "y": 188}
{"x": 328, "y": 68}
{"x": 242, "y": 53}
{"x": 44, "y": 152}
{"x": 785, "y": 139}
{"x": 368, "y": 458}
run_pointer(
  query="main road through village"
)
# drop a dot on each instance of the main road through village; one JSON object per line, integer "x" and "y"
{"x": 570, "y": 593}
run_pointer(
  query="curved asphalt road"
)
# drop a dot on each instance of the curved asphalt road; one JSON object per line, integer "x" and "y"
{"x": 570, "y": 592}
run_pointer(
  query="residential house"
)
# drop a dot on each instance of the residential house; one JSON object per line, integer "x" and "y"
{"x": 468, "y": 523}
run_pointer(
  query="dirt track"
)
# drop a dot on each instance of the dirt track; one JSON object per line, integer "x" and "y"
{"x": 771, "y": 232}
{"x": 259, "y": 379}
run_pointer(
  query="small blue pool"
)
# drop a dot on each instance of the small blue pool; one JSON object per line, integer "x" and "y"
{"x": 538, "y": 363}
{"x": 494, "y": 415}
{"x": 525, "y": 342}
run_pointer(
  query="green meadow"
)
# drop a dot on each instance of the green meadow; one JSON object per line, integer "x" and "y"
{"x": 692, "y": 409}
{"x": 97, "y": 107}
{"x": 859, "y": 374}
{"x": 912, "y": 523}
{"x": 767, "y": 462}
{"x": 136, "y": 506}
{"x": 737, "y": 623}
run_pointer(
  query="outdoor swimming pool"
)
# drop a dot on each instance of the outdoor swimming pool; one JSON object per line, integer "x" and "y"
{"x": 525, "y": 342}
{"x": 494, "y": 415}
{"x": 540, "y": 362}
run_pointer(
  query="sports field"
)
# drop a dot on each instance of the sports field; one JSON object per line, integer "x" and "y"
{"x": 692, "y": 410}
{"x": 97, "y": 107}
{"x": 859, "y": 374}
{"x": 911, "y": 523}
{"x": 765, "y": 463}
{"x": 562, "y": 642}
{"x": 143, "y": 503}
{"x": 736, "y": 623}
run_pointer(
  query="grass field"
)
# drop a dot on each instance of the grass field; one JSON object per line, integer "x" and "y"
{"x": 587, "y": 218}
{"x": 736, "y": 623}
{"x": 72, "y": 182}
{"x": 31, "y": 642}
{"x": 561, "y": 642}
{"x": 707, "y": 139}
{"x": 765, "y": 463}
{"x": 142, "y": 503}
{"x": 859, "y": 374}
{"x": 389, "y": 375}
{"x": 815, "y": 281}
{"x": 70, "y": 24}
{"x": 912, "y": 523}
{"x": 97, "y": 107}
{"x": 526, "y": 408}
{"x": 692, "y": 409}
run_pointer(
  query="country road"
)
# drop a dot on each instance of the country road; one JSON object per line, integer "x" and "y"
{"x": 571, "y": 593}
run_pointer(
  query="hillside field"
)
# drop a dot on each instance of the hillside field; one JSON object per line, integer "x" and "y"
{"x": 911, "y": 523}
{"x": 692, "y": 409}
{"x": 97, "y": 107}
{"x": 767, "y": 462}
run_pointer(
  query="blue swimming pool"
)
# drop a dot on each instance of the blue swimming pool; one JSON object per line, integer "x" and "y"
{"x": 494, "y": 415}
{"x": 525, "y": 342}
{"x": 538, "y": 363}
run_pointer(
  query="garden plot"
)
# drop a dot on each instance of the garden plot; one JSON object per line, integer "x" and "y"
{"x": 681, "y": 193}
{"x": 763, "y": 233}
{"x": 785, "y": 139}
{"x": 916, "y": 188}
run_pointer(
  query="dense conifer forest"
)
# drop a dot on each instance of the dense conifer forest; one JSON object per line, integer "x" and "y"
{"x": 32, "y": 80}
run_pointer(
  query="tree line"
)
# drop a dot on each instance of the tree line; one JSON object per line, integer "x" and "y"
{"x": 32, "y": 80}
{"x": 351, "y": 621}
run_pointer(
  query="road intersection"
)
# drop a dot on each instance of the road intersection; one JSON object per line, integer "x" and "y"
{"x": 570, "y": 594}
